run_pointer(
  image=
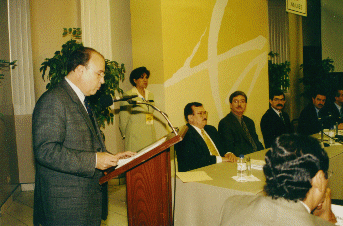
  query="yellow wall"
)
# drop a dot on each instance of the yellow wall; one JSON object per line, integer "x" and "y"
{"x": 48, "y": 18}
{"x": 209, "y": 49}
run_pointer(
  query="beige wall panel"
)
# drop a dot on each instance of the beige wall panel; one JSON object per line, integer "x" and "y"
{"x": 48, "y": 18}
{"x": 211, "y": 49}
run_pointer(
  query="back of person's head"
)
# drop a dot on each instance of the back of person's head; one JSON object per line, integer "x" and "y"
{"x": 137, "y": 73}
{"x": 291, "y": 164}
{"x": 188, "y": 109}
{"x": 275, "y": 92}
{"x": 238, "y": 93}
{"x": 80, "y": 56}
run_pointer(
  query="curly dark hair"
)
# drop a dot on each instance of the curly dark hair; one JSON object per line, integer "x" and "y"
{"x": 80, "y": 56}
{"x": 291, "y": 164}
{"x": 138, "y": 73}
{"x": 188, "y": 109}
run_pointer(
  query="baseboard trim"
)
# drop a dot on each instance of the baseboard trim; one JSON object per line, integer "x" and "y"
{"x": 27, "y": 187}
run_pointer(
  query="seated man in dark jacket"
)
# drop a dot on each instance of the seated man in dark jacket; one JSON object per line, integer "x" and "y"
{"x": 314, "y": 117}
{"x": 275, "y": 122}
{"x": 201, "y": 145}
{"x": 238, "y": 131}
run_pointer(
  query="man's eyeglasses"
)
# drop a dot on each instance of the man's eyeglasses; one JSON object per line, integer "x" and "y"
{"x": 239, "y": 101}
{"x": 100, "y": 75}
{"x": 202, "y": 113}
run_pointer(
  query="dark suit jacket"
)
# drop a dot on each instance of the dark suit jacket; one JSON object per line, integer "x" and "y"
{"x": 192, "y": 151}
{"x": 234, "y": 138}
{"x": 272, "y": 126}
{"x": 65, "y": 142}
{"x": 331, "y": 109}
{"x": 308, "y": 120}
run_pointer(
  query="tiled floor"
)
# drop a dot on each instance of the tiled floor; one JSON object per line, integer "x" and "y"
{"x": 20, "y": 211}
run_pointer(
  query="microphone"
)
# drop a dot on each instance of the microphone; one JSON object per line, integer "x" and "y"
{"x": 139, "y": 102}
{"x": 107, "y": 100}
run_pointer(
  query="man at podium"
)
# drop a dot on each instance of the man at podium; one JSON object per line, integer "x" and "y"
{"x": 201, "y": 145}
{"x": 69, "y": 151}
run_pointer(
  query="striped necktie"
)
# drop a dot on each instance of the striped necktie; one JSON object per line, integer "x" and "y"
{"x": 245, "y": 129}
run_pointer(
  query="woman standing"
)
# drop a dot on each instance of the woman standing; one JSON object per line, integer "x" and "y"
{"x": 136, "y": 121}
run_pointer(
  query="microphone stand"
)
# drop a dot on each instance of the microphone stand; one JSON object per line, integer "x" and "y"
{"x": 161, "y": 112}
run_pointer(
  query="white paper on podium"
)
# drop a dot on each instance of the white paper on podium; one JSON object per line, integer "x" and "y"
{"x": 338, "y": 211}
{"x": 123, "y": 162}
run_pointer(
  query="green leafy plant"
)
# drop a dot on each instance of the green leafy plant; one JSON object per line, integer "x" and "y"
{"x": 4, "y": 64}
{"x": 278, "y": 73}
{"x": 57, "y": 65}
{"x": 317, "y": 76}
{"x": 74, "y": 32}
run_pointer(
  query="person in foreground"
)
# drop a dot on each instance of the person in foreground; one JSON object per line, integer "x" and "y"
{"x": 201, "y": 145}
{"x": 238, "y": 131}
{"x": 275, "y": 121}
{"x": 136, "y": 121}
{"x": 296, "y": 172}
{"x": 69, "y": 151}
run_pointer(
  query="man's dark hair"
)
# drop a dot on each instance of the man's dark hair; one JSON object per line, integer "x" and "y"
{"x": 80, "y": 56}
{"x": 337, "y": 93}
{"x": 318, "y": 92}
{"x": 291, "y": 164}
{"x": 237, "y": 93}
{"x": 138, "y": 73}
{"x": 275, "y": 92}
{"x": 188, "y": 109}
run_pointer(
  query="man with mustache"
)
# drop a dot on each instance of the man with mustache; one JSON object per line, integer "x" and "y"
{"x": 275, "y": 122}
{"x": 238, "y": 131}
{"x": 309, "y": 122}
{"x": 201, "y": 145}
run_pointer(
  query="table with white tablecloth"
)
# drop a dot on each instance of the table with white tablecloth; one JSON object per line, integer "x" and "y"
{"x": 199, "y": 203}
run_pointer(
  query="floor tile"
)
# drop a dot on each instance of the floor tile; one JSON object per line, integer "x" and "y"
{"x": 115, "y": 220}
{"x": 21, "y": 212}
{"x": 7, "y": 220}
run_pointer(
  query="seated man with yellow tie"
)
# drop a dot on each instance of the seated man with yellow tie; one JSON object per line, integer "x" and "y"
{"x": 201, "y": 145}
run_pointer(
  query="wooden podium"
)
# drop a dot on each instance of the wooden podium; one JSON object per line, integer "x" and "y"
{"x": 148, "y": 184}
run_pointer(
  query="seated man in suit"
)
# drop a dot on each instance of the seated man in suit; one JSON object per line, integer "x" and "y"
{"x": 201, "y": 145}
{"x": 296, "y": 174}
{"x": 335, "y": 109}
{"x": 275, "y": 122}
{"x": 238, "y": 131}
{"x": 310, "y": 116}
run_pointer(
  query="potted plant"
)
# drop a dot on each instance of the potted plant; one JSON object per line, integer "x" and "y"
{"x": 317, "y": 76}
{"x": 278, "y": 73}
{"x": 114, "y": 73}
{"x": 4, "y": 64}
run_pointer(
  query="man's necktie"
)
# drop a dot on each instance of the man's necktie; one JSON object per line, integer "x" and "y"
{"x": 245, "y": 129}
{"x": 281, "y": 116}
{"x": 89, "y": 111}
{"x": 341, "y": 112}
{"x": 209, "y": 143}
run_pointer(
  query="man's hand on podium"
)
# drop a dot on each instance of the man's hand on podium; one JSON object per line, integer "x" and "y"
{"x": 105, "y": 160}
